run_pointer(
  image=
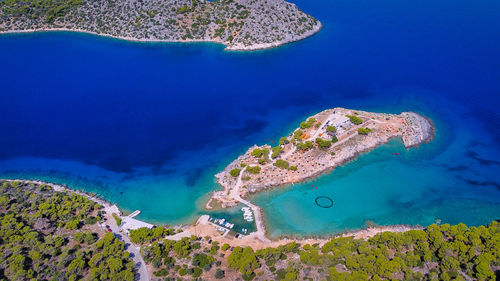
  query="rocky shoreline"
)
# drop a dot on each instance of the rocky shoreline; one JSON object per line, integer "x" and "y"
{"x": 423, "y": 130}
{"x": 240, "y": 25}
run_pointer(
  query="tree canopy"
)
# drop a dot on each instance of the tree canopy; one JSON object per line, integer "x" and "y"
{"x": 44, "y": 236}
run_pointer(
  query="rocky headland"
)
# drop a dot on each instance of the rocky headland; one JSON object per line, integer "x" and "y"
{"x": 238, "y": 24}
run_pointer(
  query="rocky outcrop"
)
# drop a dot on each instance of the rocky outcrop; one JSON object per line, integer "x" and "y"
{"x": 418, "y": 129}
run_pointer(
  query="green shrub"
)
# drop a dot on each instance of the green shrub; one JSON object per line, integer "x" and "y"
{"x": 283, "y": 140}
{"x": 307, "y": 124}
{"x": 235, "y": 172}
{"x": 323, "y": 143}
{"x": 72, "y": 224}
{"x": 276, "y": 151}
{"x": 297, "y": 135}
{"x": 253, "y": 169}
{"x": 197, "y": 272}
{"x": 219, "y": 274}
{"x": 364, "y": 131}
{"x": 354, "y": 119}
{"x": 304, "y": 146}
{"x": 283, "y": 164}
{"x": 257, "y": 153}
{"x": 331, "y": 129}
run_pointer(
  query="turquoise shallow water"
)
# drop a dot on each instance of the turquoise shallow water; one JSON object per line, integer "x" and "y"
{"x": 446, "y": 180}
{"x": 148, "y": 125}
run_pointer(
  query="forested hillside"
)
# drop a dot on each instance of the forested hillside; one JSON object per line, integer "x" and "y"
{"x": 49, "y": 235}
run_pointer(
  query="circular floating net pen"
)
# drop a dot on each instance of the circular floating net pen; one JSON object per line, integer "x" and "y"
{"x": 324, "y": 201}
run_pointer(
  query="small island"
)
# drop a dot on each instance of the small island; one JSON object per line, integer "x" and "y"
{"x": 321, "y": 143}
{"x": 238, "y": 24}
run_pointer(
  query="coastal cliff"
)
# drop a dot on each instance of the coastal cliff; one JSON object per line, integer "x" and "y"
{"x": 238, "y": 24}
{"x": 321, "y": 143}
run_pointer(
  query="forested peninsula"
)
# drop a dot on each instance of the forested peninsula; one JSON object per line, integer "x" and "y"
{"x": 238, "y": 24}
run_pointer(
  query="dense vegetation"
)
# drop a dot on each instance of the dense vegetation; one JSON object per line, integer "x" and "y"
{"x": 145, "y": 235}
{"x": 48, "y": 10}
{"x": 441, "y": 252}
{"x": 49, "y": 235}
{"x": 183, "y": 257}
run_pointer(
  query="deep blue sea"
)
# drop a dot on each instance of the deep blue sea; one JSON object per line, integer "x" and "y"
{"x": 148, "y": 125}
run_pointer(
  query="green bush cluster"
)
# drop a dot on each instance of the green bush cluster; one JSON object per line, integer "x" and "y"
{"x": 262, "y": 154}
{"x": 282, "y": 164}
{"x": 253, "y": 169}
{"x": 284, "y": 140}
{"x": 244, "y": 260}
{"x": 323, "y": 143}
{"x": 331, "y": 129}
{"x": 170, "y": 257}
{"x": 277, "y": 150}
{"x": 364, "y": 131}
{"x": 307, "y": 124}
{"x": 354, "y": 119}
{"x": 297, "y": 135}
{"x": 235, "y": 172}
{"x": 145, "y": 235}
{"x": 304, "y": 145}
